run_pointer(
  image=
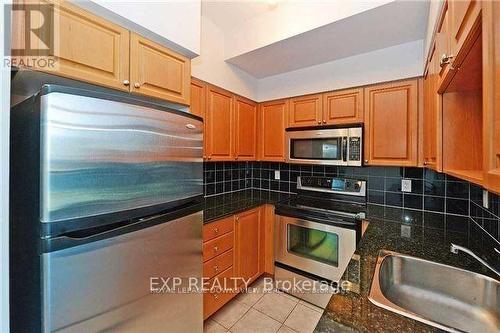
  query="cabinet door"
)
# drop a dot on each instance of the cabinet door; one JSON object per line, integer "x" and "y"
{"x": 464, "y": 16}
{"x": 432, "y": 115}
{"x": 273, "y": 119}
{"x": 391, "y": 123}
{"x": 442, "y": 45}
{"x": 158, "y": 72}
{"x": 248, "y": 261}
{"x": 219, "y": 124}
{"x": 86, "y": 47}
{"x": 343, "y": 107}
{"x": 491, "y": 96}
{"x": 197, "y": 97}
{"x": 245, "y": 129}
{"x": 306, "y": 111}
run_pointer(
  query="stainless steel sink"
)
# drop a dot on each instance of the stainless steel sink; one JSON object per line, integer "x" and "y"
{"x": 443, "y": 296}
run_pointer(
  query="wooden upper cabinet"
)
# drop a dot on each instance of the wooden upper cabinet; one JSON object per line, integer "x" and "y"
{"x": 197, "y": 98}
{"x": 219, "y": 124}
{"x": 306, "y": 111}
{"x": 432, "y": 133}
{"x": 391, "y": 121}
{"x": 491, "y": 96}
{"x": 86, "y": 47}
{"x": 245, "y": 129}
{"x": 442, "y": 43}
{"x": 158, "y": 72}
{"x": 343, "y": 107}
{"x": 247, "y": 248}
{"x": 273, "y": 120}
{"x": 463, "y": 16}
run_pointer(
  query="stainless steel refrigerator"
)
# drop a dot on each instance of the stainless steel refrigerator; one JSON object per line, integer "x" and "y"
{"x": 106, "y": 195}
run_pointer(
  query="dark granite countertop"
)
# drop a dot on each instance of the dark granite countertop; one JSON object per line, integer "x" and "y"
{"x": 219, "y": 206}
{"x": 351, "y": 311}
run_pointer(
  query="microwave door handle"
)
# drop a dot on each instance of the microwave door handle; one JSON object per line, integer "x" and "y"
{"x": 344, "y": 148}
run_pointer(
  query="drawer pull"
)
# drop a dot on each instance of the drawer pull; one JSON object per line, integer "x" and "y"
{"x": 216, "y": 268}
{"x": 216, "y": 230}
{"x": 216, "y": 296}
{"x": 216, "y": 248}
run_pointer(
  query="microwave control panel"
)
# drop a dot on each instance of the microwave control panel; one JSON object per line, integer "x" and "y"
{"x": 354, "y": 148}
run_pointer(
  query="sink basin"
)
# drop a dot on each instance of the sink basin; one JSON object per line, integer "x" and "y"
{"x": 443, "y": 296}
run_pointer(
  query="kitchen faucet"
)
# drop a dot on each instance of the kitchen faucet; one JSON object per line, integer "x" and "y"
{"x": 454, "y": 248}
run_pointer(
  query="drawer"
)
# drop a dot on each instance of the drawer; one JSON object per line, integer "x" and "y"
{"x": 217, "y": 246}
{"x": 214, "y": 300}
{"x": 216, "y": 229}
{"x": 218, "y": 264}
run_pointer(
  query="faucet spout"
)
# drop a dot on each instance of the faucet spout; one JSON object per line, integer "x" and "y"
{"x": 454, "y": 248}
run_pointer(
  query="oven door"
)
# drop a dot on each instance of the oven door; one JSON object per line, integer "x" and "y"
{"x": 318, "y": 146}
{"x": 315, "y": 248}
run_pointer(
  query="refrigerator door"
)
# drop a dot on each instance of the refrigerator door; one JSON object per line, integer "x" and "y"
{"x": 105, "y": 286}
{"x": 102, "y": 155}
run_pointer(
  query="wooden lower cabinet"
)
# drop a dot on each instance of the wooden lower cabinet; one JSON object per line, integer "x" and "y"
{"x": 248, "y": 245}
{"x": 241, "y": 253}
{"x": 391, "y": 123}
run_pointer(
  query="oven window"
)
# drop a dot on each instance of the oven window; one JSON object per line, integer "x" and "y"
{"x": 314, "y": 244}
{"x": 316, "y": 149}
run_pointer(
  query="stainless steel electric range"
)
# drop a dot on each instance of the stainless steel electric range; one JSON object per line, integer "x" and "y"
{"x": 316, "y": 233}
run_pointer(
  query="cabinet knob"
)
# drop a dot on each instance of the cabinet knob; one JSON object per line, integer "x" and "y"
{"x": 216, "y": 230}
{"x": 137, "y": 85}
{"x": 319, "y": 121}
{"x": 216, "y": 249}
{"x": 237, "y": 218}
{"x": 425, "y": 162}
{"x": 126, "y": 82}
{"x": 209, "y": 157}
{"x": 445, "y": 59}
{"x": 324, "y": 121}
{"x": 216, "y": 268}
{"x": 366, "y": 161}
{"x": 236, "y": 158}
{"x": 216, "y": 296}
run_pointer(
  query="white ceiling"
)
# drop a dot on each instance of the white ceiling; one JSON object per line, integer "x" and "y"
{"x": 391, "y": 24}
{"x": 228, "y": 14}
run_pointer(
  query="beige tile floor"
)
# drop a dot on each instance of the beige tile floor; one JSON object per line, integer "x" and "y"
{"x": 264, "y": 311}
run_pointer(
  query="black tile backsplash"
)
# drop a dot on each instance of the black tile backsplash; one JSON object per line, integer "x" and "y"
{"x": 437, "y": 200}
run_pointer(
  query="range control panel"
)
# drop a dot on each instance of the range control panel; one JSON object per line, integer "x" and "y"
{"x": 333, "y": 185}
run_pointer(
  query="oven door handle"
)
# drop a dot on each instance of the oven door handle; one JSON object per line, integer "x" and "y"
{"x": 344, "y": 148}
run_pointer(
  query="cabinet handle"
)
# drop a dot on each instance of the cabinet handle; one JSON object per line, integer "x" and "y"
{"x": 209, "y": 157}
{"x": 137, "y": 85}
{"x": 237, "y": 218}
{"x": 216, "y": 230}
{"x": 366, "y": 161}
{"x": 126, "y": 82}
{"x": 216, "y": 296}
{"x": 216, "y": 249}
{"x": 216, "y": 268}
{"x": 445, "y": 59}
{"x": 236, "y": 158}
{"x": 319, "y": 121}
{"x": 425, "y": 162}
{"x": 324, "y": 121}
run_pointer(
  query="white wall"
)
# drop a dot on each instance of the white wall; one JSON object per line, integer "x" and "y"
{"x": 173, "y": 23}
{"x": 211, "y": 67}
{"x": 4, "y": 177}
{"x": 392, "y": 63}
{"x": 289, "y": 19}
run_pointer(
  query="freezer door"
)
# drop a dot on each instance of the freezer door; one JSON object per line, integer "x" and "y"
{"x": 104, "y": 286}
{"x": 101, "y": 156}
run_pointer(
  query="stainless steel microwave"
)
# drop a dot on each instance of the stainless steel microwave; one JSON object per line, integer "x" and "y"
{"x": 339, "y": 146}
